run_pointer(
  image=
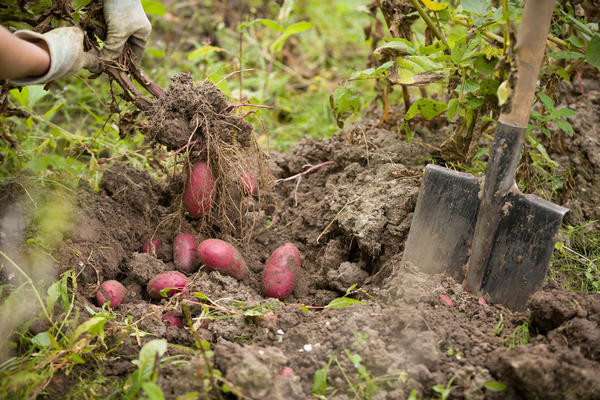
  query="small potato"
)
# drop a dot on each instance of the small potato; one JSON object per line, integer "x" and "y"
{"x": 173, "y": 279}
{"x": 112, "y": 292}
{"x": 172, "y": 319}
{"x": 200, "y": 191}
{"x": 281, "y": 271}
{"x": 221, "y": 256}
{"x": 184, "y": 253}
{"x": 151, "y": 246}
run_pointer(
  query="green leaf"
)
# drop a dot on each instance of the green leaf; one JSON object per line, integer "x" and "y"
{"x": 453, "y": 109}
{"x": 53, "y": 295}
{"x": 485, "y": 66}
{"x": 20, "y": 95}
{"x": 298, "y": 27}
{"x": 560, "y": 55}
{"x": 150, "y": 351}
{"x": 153, "y": 391}
{"x": 546, "y": 101}
{"x": 475, "y": 6}
{"x": 154, "y": 7}
{"x": 202, "y": 51}
{"x": 471, "y": 85}
{"x": 435, "y": 6}
{"x": 495, "y": 386}
{"x": 488, "y": 87}
{"x": 428, "y": 108}
{"x": 576, "y": 41}
{"x": 93, "y": 325}
{"x": 320, "y": 382}
{"x": 592, "y": 54}
{"x": 565, "y": 126}
{"x": 342, "y": 302}
{"x": 79, "y": 4}
{"x": 565, "y": 112}
{"x": 42, "y": 339}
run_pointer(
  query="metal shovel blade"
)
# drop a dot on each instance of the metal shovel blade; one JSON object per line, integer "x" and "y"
{"x": 442, "y": 228}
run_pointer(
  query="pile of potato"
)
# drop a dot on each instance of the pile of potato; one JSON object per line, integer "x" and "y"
{"x": 278, "y": 277}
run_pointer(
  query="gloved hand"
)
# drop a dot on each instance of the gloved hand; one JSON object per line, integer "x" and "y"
{"x": 66, "y": 54}
{"x": 126, "y": 21}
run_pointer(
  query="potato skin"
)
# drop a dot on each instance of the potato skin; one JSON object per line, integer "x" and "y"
{"x": 174, "y": 279}
{"x": 184, "y": 253}
{"x": 200, "y": 190}
{"x": 151, "y": 246}
{"x": 221, "y": 256}
{"x": 281, "y": 271}
{"x": 111, "y": 291}
{"x": 249, "y": 184}
{"x": 172, "y": 319}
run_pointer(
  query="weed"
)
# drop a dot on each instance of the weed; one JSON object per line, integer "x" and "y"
{"x": 519, "y": 337}
{"x": 444, "y": 391}
{"x": 576, "y": 259}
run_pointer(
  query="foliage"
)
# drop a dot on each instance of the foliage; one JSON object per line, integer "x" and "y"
{"x": 576, "y": 261}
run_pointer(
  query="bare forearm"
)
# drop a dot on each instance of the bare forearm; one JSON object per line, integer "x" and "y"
{"x": 20, "y": 58}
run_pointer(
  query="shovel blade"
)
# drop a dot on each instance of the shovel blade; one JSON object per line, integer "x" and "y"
{"x": 443, "y": 221}
{"x": 442, "y": 228}
{"x": 522, "y": 249}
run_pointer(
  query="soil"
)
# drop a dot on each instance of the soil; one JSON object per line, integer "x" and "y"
{"x": 349, "y": 217}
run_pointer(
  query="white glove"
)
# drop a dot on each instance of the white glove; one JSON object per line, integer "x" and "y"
{"x": 126, "y": 21}
{"x": 66, "y": 54}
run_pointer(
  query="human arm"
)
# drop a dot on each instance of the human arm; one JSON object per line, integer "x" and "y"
{"x": 21, "y": 58}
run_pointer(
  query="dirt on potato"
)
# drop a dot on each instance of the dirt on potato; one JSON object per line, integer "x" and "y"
{"x": 403, "y": 332}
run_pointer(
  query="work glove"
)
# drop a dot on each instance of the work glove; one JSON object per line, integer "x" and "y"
{"x": 66, "y": 54}
{"x": 126, "y": 21}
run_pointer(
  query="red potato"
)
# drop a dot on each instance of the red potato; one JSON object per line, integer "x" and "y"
{"x": 112, "y": 292}
{"x": 286, "y": 371}
{"x": 184, "y": 253}
{"x": 174, "y": 279}
{"x": 172, "y": 319}
{"x": 249, "y": 183}
{"x": 200, "y": 191}
{"x": 151, "y": 246}
{"x": 221, "y": 256}
{"x": 281, "y": 271}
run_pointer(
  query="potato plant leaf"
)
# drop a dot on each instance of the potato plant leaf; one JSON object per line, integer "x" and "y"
{"x": 435, "y": 6}
{"x": 428, "y": 108}
{"x": 342, "y": 302}
{"x": 153, "y": 391}
{"x": 592, "y": 54}
{"x": 154, "y": 7}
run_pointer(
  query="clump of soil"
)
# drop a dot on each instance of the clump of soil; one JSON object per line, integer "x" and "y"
{"x": 189, "y": 112}
{"x": 349, "y": 217}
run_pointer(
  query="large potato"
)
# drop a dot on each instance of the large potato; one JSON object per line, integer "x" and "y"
{"x": 200, "y": 191}
{"x": 172, "y": 279}
{"x": 112, "y": 292}
{"x": 221, "y": 256}
{"x": 281, "y": 271}
{"x": 184, "y": 253}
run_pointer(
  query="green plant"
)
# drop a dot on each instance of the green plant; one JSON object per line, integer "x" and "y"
{"x": 465, "y": 49}
{"x": 519, "y": 337}
{"x": 444, "y": 390}
{"x": 576, "y": 259}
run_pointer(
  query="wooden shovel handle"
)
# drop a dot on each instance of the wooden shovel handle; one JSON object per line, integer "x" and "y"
{"x": 531, "y": 42}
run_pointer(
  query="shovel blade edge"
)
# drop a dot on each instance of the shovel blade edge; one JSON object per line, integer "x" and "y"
{"x": 442, "y": 227}
{"x": 522, "y": 249}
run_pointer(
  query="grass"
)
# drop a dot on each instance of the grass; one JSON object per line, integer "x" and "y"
{"x": 576, "y": 261}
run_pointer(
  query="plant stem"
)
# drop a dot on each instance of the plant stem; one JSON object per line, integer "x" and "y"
{"x": 430, "y": 23}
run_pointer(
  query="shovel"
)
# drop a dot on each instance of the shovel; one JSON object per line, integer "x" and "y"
{"x": 490, "y": 236}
